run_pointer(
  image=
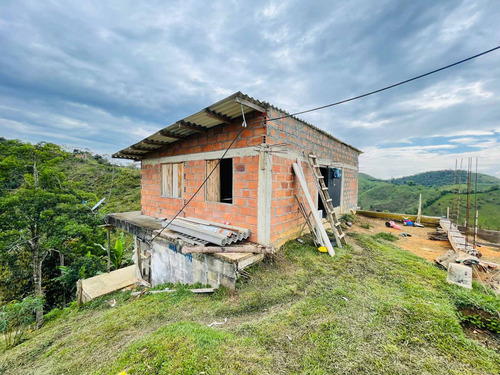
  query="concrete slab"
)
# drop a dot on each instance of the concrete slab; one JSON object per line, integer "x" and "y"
{"x": 135, "y": 223}
{"x": 460, "y": 275}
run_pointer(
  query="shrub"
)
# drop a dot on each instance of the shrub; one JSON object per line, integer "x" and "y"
{"x": 16, "y": 317}
{"x": 348, "y": 217}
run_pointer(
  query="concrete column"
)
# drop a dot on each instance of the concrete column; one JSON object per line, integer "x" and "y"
{"x": 264, "y": 198}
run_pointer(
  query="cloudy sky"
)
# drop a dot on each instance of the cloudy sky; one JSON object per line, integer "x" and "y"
{"x": 105, "y": 74}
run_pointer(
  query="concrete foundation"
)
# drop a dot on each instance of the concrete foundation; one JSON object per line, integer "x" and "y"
{"x": 168, "y": 264}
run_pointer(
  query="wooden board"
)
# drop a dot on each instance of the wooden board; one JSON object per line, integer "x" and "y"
{"x": 319, "y": 224}
{"x": 212, "y": 187}
{"x": 107, "y": 283}
{"x": 180, "y": 179}
{"x": 175, "y": 181}
{"x": 166, "y": 180}
{"x": 172, "y": 180}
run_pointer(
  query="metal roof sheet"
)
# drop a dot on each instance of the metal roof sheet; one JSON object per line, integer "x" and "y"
{"x": 213, "y": 115}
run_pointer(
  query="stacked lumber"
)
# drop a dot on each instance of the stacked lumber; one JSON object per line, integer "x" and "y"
{"x": 438, "y": 235}
{"x": 201, "y": 232}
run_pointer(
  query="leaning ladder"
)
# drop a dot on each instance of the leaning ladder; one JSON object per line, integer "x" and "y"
{"x": 312, "y": 160}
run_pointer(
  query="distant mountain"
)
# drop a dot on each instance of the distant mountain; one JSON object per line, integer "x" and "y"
{"x": 442, "y": 178}
{"x": 437, "y": 189}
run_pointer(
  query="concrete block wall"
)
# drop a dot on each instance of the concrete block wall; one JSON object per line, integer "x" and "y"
{"x": 168, "y": 264}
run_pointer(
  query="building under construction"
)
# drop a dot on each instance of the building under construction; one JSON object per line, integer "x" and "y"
{"x": 240, "y": 151}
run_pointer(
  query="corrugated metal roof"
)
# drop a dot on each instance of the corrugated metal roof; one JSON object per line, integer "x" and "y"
{"x": 213, "y": 115}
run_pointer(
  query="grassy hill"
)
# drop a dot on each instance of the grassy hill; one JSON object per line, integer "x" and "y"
{"x": 445, "y": 177}
{"x": 488, "y": 207}
{"x": 120, "y": 185}
{"x": 373, "y": 309}
{"x": 401, "y": 195}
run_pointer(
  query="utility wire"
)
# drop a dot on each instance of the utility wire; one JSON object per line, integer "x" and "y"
{"x": 317, "y": 109}
{"x": 384, "y": 88}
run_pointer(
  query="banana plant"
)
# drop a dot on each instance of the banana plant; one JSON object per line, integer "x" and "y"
{"x": 117, "y": 252}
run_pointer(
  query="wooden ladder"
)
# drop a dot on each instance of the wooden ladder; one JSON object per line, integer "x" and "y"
{"x": 312, "y": 160}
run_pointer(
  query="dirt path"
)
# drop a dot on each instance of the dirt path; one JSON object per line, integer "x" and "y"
{"x": 418, "y": 243}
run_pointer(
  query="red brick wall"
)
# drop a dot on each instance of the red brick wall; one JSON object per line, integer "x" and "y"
{"x": 243, "y": 211}
{"x": 285, "y": 218}
{"x": 218, "y": 138}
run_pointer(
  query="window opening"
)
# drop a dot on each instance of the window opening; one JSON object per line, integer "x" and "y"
{"x": 219, "y": 187}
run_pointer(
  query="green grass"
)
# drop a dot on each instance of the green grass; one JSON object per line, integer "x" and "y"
{"x": 372, "y": 309}
{"x": 396, "y": 198}
{"x": 488, "y": 206}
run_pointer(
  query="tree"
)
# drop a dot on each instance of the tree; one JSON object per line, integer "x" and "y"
{"x": 45, "y": 213}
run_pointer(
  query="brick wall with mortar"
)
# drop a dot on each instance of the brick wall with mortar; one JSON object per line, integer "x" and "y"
{"x": 243, "y": 211}
{"x": 285, "y": 218}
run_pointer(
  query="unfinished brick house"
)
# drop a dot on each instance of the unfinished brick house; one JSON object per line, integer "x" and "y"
{"x": 254, "y": 185}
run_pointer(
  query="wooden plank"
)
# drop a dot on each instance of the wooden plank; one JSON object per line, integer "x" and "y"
{"x": 217, "y": 116}
{"x": 194, "y": 127}
{"x": 250, "y": 261}
{"x": 166, "y": 133}
{"x": 419, "y": 214}
{"x": 108, "y": 282}
{"x": 175, "y": 180}
{"x": 317, "y": 219}
{"x": 142, "y": 148}
{"x": 180, "y": 179}
{"x": 212, "y": 187}
{"x": 166, "y": 180}
{"x": 250, "y": 104}
{"x": 233, "y": 257}
{"x": 154, "y": 142}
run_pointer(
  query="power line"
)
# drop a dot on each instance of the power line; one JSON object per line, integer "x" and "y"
{"x": 384, "y": 88}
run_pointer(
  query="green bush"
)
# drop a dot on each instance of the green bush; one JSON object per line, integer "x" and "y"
{"x": 16, "y": 317}
{"x": 348, "y": 217}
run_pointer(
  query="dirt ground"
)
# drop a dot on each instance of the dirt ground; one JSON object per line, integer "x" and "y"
{"x": 418, "y": 243}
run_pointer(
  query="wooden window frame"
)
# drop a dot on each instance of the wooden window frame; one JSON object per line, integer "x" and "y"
{"x": 172, "y": 186}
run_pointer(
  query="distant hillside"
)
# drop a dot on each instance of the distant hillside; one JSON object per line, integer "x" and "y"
{"x": 401, "y": 195}
{"x": 120, "y": 185}
{"x": 367, "y": 182}
{"x": 442, "y": 178}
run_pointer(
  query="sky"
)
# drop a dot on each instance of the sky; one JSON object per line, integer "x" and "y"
{"x": 103, "y": 75}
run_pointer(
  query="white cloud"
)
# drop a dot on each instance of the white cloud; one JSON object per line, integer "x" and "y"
{"x": 106, "y": 75}
{"x": 404, "y": 161}
{"x": 448, "y": 94}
